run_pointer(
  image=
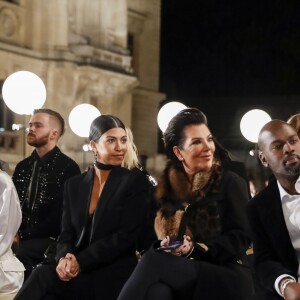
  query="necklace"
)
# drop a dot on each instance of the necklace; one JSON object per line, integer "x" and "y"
{"x": 102, "y": 166}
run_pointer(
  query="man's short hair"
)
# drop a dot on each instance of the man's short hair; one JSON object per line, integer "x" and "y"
{"x": 55, "y": 115}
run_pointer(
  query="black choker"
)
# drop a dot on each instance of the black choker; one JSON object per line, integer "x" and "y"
{"x": 102, "y": 166}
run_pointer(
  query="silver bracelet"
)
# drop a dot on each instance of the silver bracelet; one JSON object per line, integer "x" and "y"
{"x": 284, "y": 285}
{"x": 190, "y": 252}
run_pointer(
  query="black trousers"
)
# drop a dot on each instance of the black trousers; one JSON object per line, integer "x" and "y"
{"x": 188, "y": 279}
{"x": 178, "y": 273}
{"x": 104, "y": 283}
{"x": 31, "y": 252}
{"x": 44, "y": 283}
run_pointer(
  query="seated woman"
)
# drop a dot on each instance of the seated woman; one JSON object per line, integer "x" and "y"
{"x": 202, "y": 207}
{"x": 104, "y": 209}
{"x": 11, "y": 269}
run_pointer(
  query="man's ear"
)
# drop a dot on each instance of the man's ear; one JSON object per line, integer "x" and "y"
{"x": 54, "y": 134}
{"x": 263, "y": 159}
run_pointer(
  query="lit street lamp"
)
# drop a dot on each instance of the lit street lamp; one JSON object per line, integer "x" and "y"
{"x": 23, "y": 92}
{"x": 167, "y": 112}
{"x": 80, "y": 119}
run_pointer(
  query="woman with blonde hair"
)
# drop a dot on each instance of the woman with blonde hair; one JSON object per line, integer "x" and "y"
{"x": 295, "y": 122}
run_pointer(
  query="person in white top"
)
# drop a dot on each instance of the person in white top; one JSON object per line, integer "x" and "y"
{"x": 274, "y": 214}
{"x": 11, "y": 269}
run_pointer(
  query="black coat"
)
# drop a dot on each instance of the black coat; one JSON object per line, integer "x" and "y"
{"x": 218, "y": 220}
{"x": 222, "y": 272}
{"x": 274, "y": 254}
{"x": 117, "y": 222}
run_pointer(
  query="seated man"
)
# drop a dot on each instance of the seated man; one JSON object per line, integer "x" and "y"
{"x": 39, "y": 181}
{"x": 274, "y": 214}
{"x": 11, "y": 269}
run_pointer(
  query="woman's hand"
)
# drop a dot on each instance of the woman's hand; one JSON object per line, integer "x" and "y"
{"x": 165, "y": 242}
{"x": 68, "y": 267}
{"x": 182, "y": 250}
{"x": 185, "y": 248}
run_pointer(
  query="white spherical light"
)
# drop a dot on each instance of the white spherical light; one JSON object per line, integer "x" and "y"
{"x": 167, "y": 112}
{"x": 23, "y": 92}
{"x": 252, "y": 122}
{"x": 81, "y": 117}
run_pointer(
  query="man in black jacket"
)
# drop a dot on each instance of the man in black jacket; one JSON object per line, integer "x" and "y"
{"x": 274, "y": 214}
{"x": 39, "y": 181}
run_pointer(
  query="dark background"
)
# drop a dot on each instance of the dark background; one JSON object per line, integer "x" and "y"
{"x": 227, "y": 57}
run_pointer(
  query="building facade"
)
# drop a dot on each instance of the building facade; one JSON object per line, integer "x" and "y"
{"x": 101, "y": 52}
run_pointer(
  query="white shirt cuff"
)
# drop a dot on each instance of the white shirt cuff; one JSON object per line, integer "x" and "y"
{"x": 279, "y": 278}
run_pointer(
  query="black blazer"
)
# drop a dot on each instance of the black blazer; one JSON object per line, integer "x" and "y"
{"x": 119, "y": 215}
{"x": 273, "y": 251}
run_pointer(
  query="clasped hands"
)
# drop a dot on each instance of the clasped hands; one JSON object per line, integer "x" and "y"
{"x": 67, "y": 267}
{"x": 182, "y": 250}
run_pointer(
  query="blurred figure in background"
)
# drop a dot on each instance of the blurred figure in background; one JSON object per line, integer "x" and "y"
{"x": 11, "y": 269}
{"x": 131, "y": 162}
{"x": 295, "y": 122}
{"x": 4, "y": 166}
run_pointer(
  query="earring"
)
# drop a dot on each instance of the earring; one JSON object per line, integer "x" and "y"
{"x": 180, "y": 158}
{"x": 96, "y": 154}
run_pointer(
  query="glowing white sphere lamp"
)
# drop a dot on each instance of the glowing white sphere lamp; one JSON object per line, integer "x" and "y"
{"x": 252, "y": 122}
{"x": 24, "y": 91}
{"x": 167, "y": 112}
{"x": 81, "y": 117}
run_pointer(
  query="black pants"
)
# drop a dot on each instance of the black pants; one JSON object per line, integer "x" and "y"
{"x": 44, "y": 283}
{"x": 31, "y": 252}
{"x": 104, "y": 283}
{"x": 177, "y": 273}
{"x": 187, "y": 279}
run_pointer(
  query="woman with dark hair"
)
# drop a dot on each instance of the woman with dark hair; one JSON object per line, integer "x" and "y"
{"x": 201, "y": 225}
{"x": 103, "y": 211}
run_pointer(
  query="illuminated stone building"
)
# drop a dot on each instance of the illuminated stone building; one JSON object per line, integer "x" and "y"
{"x": 102, "y": 52}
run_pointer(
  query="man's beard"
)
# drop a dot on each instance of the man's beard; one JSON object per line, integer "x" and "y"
{"x": 292, "y": 171}
{"x": 37, "y": 143}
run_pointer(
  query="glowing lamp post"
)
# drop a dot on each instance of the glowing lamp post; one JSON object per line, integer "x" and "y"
{"x": 252, "y": 122}
{"x": 23, "y": 92}
{"x": 80, "y": 119}
{"x": 167, "y": 112}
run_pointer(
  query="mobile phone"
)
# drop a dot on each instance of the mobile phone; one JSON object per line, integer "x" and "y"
{"x": 171, "y": 246}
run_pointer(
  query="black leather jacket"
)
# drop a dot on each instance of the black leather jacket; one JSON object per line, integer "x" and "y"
{"x": 42, "y": 217}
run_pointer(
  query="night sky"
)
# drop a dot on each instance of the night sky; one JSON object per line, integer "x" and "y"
{"x": 227, "y": 57}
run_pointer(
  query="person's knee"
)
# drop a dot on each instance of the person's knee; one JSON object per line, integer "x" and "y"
{"x": 159, "y": 291}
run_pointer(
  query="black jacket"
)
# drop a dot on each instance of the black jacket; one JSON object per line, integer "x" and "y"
{"x": 274, "y": 254}
{"x": 217, "y": 220}
{"x": 109, "y": 255}
{"x": 117, "y": 220}
{"x": 43, "y": 218}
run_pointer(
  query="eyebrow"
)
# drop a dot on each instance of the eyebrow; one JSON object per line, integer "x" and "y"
{"x": 197, "y": 138}
{"x": 35, "y": 123}
{"x": 290, "y": 137}
{"x": 114, "y": 137}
